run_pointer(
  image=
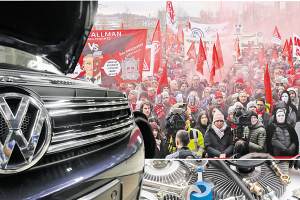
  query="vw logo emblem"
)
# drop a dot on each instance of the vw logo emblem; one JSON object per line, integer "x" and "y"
{"x": 25, "y": 132}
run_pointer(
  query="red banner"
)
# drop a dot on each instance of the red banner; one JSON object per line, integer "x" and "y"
{"x": 114, "y": 56}
{"x": 147, "y": 60}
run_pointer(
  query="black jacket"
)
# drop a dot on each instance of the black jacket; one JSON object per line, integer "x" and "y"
{"x": 163, "y": 151}
{"x": 215, "y": 146}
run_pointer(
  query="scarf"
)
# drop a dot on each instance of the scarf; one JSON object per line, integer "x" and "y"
{"x": 159, "y": 111}
{"x": 222, "y": 104}
{"x": 151, "y": 96}
{"x": 133, "y": 106}
{"x": 194, "y": 110}
{"x": 158, "y": 143}
{"x": 260, "y": 112}
{"x": 219, "y": 132}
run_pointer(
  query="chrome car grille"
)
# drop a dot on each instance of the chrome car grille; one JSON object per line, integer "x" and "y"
{"x": 81, "y": 123}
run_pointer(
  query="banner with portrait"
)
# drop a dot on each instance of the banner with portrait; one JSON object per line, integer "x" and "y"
{"x": 112, "y": 56}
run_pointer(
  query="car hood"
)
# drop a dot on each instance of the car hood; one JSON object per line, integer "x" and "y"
{"x": 56, "y": 31}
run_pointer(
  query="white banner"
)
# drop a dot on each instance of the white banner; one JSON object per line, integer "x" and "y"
{"x": 296, "y": 46}
{"x": 208, "y": 30}
{"x": 148, "y": 64}
{"x": 170, "y": 18}
{"x": 256, "y": 39}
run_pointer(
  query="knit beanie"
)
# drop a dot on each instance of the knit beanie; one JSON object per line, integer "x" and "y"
{"x": 218, "y": 116}
{"x": 144, "y": 94}
{"x": 135, "y": 93}
{"x": 231, "y": 109}
{"x": 154, "y": 126}
{"x": 251, "y": 103}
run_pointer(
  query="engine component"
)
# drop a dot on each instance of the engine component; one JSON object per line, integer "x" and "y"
{"x": 296, "y": 193}
{"x": 236, "y": 198}
{"x": 284, "y": 178}
{"x": 206, "y": 193}
{"x": 271, "y": 193}
{"x": 224, "y": 187}
{"x": 254, "y": 187}
{"x": 171, "y": 172}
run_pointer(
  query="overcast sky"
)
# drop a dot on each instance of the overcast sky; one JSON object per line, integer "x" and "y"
{"x": 192, "y": 7}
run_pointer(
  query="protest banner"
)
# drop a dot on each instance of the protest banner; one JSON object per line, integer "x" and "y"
{"x": 116, "y": 56}
{"x": 208, "y": 30}
{"x": 148, "y": 65}
{"x": 255, "y": 39}
{"x": 296, "y": 46}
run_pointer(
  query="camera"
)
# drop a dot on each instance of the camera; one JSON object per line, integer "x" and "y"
{"x": 242, "y": 117}
{"x": 279, "y": 84}
{"x": 175, "y": 121}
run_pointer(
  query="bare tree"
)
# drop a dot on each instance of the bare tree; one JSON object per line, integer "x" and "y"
{"x": 181, "y": 14}
{"x": 126, "y": 16}
{"x": 161, "y": 15}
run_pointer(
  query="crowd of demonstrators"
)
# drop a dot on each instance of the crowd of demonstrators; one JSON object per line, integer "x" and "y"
{"x": 209, "y": 128}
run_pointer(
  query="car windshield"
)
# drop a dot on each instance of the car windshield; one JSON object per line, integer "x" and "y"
{"x": 20, "y": 58}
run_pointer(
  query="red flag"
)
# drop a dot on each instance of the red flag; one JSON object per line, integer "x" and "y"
{"x": 267, "y": 83}
{"x": 274, "y": 54}
{"x": 164, "y": 79}
{"x": 220, "y": 56}
{"x": 192, "y": 52}
{"x": 189, "y": 25}
{"x": 276, "y": 38}
{"x": 235, "y": 45}
{"x": 262, "y": 57}
{"x": 122, "y": 28}
{"x": 249, "y": 48}
{"x": 290, "y": 62}
{"x": 205, "y": 49}
{"x": 201, "y": 58}
{"x": 215, "y": 64}
{"x": 291, "y": 45}
{"x": 156, "y": 40}
{"x": 178, "y": 45}
{"x": 215, "y": 58}
{"x": 180, "y": 33}
{"x": 285, "y": 50}
{"x": 168, "y": 45}
{"x": 238, "y": 50}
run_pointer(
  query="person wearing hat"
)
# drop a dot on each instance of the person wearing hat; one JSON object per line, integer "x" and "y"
{"x": 229, "y": 120}
{"x": 282, "y": 139}
{"x": 259, "y": 75}
{"x": 192, "y": 103}
{"x": 196, "y": 86}
{"x": 285, "y": 82}
{"x": 285, "y": 97}
{"x": 238, "y": 86}
{"x": 218, "y": 139}
{"x": 219, "y": 102}
{"x": 162, "y": 109}
{"x": 223, "y": 88}
{"x": 133, "y": 97}
{"x": 252, "y": 106}
{"x": 295, "y": 98}
{"x": 161, "y": 149}
{"x": 255, "y": 134}
{"x": 143, "y": 96}
{"x": 260, "y": 88}
{"x": 263, "y": 116}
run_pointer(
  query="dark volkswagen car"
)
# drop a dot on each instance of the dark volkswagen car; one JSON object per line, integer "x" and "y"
{"x": 60, "y": 138}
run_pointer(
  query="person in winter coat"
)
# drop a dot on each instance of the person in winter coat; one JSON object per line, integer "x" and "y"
{"x": 282, "y": 140}
{"x": 255, "y": 134}
{"x": 196, "y": 86}
{"x": 295, "y": 100}
{"x": 229, "y": 120}
{"x": 218, "y": 140}
{"x": 238, "y": 86}
{"x": 161, "y": 150}
{"x": 202, "y": 122}
{"x": 263, "y": 116}
{"x": 285, "y": 97}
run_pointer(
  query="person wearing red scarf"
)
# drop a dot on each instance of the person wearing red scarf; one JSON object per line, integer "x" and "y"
{"x": 263, "y": 116}
{"x": 219, "y": 102}
{"x": 193, "y": 101}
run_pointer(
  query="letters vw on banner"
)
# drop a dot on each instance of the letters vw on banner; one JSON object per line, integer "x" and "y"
{"x": 296, "y": 46}
{"x": 149, "y": 60}
{"x": 208, "y": 30}
{"x": 116, "y": 55}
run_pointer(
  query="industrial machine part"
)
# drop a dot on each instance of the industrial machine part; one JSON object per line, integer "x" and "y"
{"x": 271, "y": 194}
{"x": 284, "y": 178}
{"x": 254, "y": 187}
{"x": 166, "y": 179}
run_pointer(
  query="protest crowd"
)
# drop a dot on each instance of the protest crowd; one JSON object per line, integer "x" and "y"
{"x": 252, "y": 108}
{"x": 193, "y": 117}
